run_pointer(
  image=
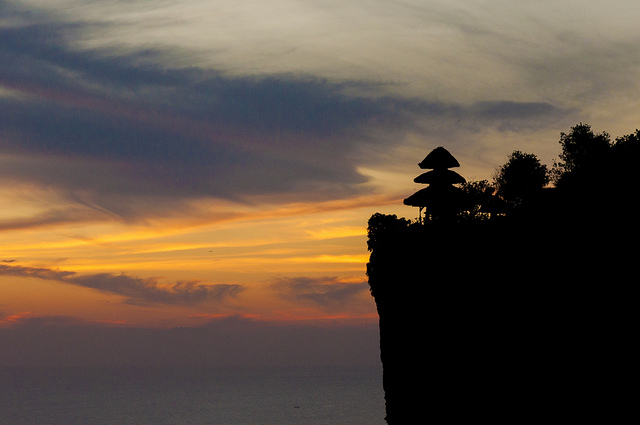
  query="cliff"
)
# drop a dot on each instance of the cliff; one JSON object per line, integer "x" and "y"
{"x": 507, "y": 320}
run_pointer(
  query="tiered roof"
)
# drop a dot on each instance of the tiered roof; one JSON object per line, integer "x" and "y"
{"x": 441, "y": 197}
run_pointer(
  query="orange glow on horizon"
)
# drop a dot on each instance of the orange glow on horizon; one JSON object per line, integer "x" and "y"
{"x": 14, "y": 318}
{"x": 249, "y": 248}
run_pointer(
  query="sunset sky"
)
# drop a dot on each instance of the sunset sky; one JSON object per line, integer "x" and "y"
{"x": 210, "y": 166}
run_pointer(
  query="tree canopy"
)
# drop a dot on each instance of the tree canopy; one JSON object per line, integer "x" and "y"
{"x": 583, "y": 152}
{"x": 521, "y": 177}
{"x": 592, "y": 176}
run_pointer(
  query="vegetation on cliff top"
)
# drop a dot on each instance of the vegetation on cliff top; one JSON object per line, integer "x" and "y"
{"x": 593, "y": 184}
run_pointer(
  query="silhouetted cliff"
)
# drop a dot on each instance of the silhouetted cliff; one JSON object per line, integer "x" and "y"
{"x": 525, "y": 317}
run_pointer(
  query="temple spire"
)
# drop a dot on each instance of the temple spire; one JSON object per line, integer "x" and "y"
{"x": 441, "y": 198}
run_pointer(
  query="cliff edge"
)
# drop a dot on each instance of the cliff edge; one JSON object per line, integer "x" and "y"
{"x": 482, "y": 320}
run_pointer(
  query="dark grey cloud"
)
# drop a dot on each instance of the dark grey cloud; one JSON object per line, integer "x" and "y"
{"x": 327, "y": 292}
{"x": 121, "y": 126}
{"x": 136, "y": 290}
{"x": 188, "y": 131}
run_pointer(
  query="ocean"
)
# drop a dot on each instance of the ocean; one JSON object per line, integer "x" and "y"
{"x": 146, "y": 396}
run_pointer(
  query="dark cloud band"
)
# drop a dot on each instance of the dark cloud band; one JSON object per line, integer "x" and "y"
{"x": 135, "y": 290}
{"x": 123, "y": 127}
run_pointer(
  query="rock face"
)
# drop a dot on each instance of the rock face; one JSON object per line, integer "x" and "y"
{"x": 527, "y": 316}
{"x": 478, "y": 321}
{"x": 439, "y": 326}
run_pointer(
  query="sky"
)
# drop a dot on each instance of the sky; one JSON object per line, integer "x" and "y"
{"x": 194, "y": 178}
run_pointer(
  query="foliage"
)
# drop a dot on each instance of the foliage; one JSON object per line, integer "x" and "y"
{"x": 383, "y": 225}
{"x": 521, "y": 177}
{"x": 583, "y": 152}
{"x": 595, "y": 179}
{"x": 626, "y": 152}
{"x": 480, "y": 197}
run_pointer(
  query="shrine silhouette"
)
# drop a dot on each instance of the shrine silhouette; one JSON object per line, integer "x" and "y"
{"x": 442, "y": 199}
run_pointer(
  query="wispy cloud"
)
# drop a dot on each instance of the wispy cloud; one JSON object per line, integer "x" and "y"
{"x": 13, "y": 318}
{"x": 127, "y": 131}
{"x": 135, "y": 290}
{"x": 328, "y": 292}
{"x": 52, "y": 217}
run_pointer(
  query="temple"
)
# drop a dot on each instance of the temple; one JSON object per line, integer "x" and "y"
{"x": 441, "y": 198}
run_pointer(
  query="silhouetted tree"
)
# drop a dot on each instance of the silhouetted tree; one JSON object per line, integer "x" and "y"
{"x": 621, "y": 183}
{"x": 482, "y": 203}
{"x": 626, "y": 153}
{"x": 583, "y": 153}
{"x": 521, "y": 177}
{"x": 596, "y": 180}
{"x": 382, "y": 226}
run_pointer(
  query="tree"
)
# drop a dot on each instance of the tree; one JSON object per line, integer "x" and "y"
{"x": 626, "y": 152}
{"x": 583, "y": 152}
{"x": 481, "y": 201}
{"x": 382, "y": 226}
{"x": 621, "y": 179}
{"x": 521, "y": 177}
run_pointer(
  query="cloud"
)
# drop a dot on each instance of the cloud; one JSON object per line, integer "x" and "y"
{"x": 134, "y": 127}
{"x": 133, "y": 131}
{"x": 27, "y": 319}
{"x": 328, "y": 292}
{"x": 52, "y": 216}
{"x": 13, "y": 318}
{"x": 135, "y": 290}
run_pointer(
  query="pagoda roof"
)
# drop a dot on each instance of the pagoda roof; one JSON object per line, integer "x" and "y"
{"x": 439, "y": 158}
{"x": 434, "y": 196}
{"x": 440, "y": 176}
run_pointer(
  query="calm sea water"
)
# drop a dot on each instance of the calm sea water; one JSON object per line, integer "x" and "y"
{"x": 86, "y": 396}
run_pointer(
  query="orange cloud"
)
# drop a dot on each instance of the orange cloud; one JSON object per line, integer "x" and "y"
{"x": 136, "y": 290}
{"x": 14, "y": 317}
